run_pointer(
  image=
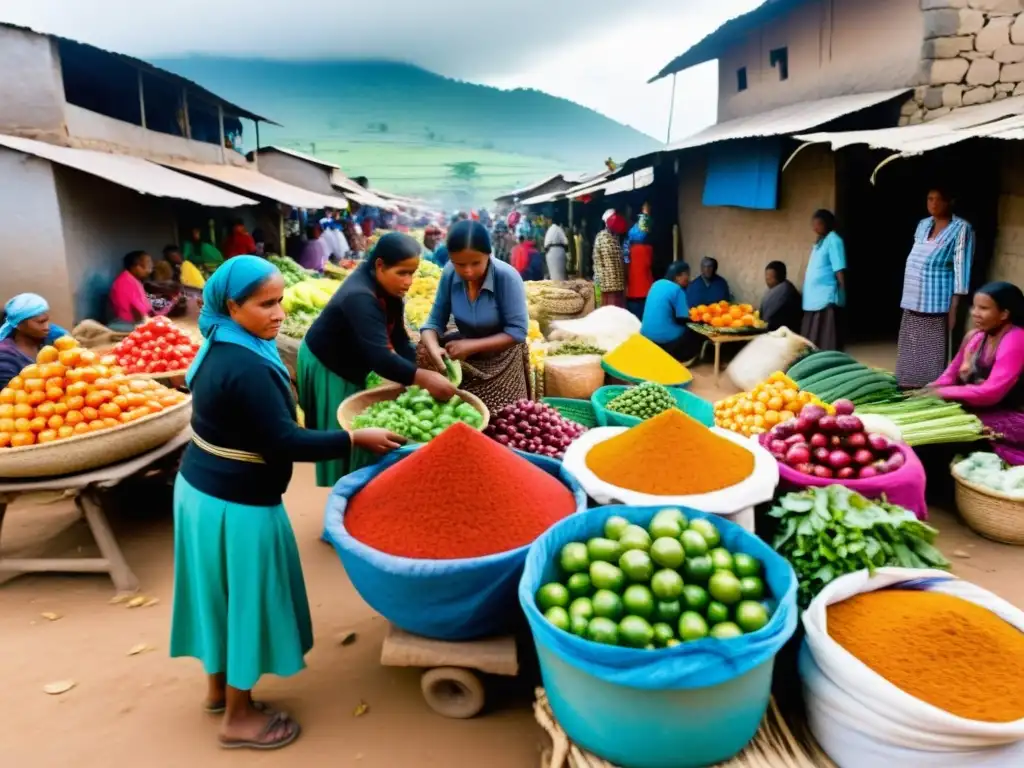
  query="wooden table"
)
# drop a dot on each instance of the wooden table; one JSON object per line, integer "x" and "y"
{"x": 88, "y": 490}
{"x": 718, "y": 339}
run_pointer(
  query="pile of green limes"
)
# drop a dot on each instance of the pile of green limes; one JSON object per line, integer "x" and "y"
{"x": 643, "y": 401}
{"x": 656, "y": 587}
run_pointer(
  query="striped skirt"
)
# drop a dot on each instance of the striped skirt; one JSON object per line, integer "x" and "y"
{"x": 923, "y": 351}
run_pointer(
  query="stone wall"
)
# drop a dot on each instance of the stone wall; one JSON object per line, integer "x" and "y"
{"x": 973, "y": 54}
{"x": 1008, "y": 259}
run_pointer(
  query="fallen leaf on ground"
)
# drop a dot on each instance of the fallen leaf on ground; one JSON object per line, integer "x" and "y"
{"x": 137, "y": 601}
{"x": 151, "y": 601}
{"x": 61, "y": 686}
{"x": 50, "y": 616}
{"x": 119, "y": 599}
{"x": 140, "y": 648}
{"x": 347, "y": 639}
{"x": 361, "y": 710}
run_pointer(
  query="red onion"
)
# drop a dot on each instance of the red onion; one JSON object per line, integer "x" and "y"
{"x": 846, "y": 473}
{"x": 866, "y": 472}
{"x": 821, "y": 455}
{"x": 894, "y": 462}
{"x": 533, "y": 427}
{"x": 813, "y": 412}
{"x": 785, "y": 429}
{"x": 839, "y": 460}
{"x": 856, "y": 441}
{"x": 849, "y": 424}
{"x": 805, "y": 424}
{"x": 843, "y": 407}
{"x": 818, "y": 440}
{"x": 806, "y": 469}
{"x": 879, "y": 443}
{"x": 798, "y": 454}
{"x": 794, "y": 440}
{"x": 863, "y": 457}
{"x": 827, "y": 423}
{"x": 835, "y": 441}
{"x": 823, "y": 472}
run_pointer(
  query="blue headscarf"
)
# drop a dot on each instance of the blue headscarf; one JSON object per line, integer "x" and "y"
{"x": 24, "y": 307}
{"x": 235, "y": 279}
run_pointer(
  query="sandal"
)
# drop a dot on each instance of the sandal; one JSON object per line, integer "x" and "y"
{"x": 292, "y": 731}
{"x": 220, "y": 708}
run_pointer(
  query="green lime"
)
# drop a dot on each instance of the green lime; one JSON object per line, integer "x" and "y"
{"x": 635, "y": 537}
{"x": 697, "y": 570}
{"x": 706, "y": 529}
{"x": 574, "y": 558}
{"x": 578, "y": 625}
{"x": 668, "y": 611}
{"x": 582, "y": 606}
{"x": 693, "y": 543}
{"x": 667, "y": 552}
{"x": 666, "y": 585}
{"x": 614, "y": 526}
{"x": 717, "y": 613}
{"x": 638, "y": 601}
{"x": 552, "y": 595}
{"x": 579, "y": 585}
{"x": 673, "y": 643}
{"x": 745, "y": 565}
{"x": 558, "y": 616}
{"x": 604, "y": 550}
{"x": 674, "y": 513}
{"x": 721, "y": 558}
{"x": 692, "y": 627}
{"x": 635, "y": 632}
{"x": 607, "y": 605}
{"x": 726, "y": 631}
{"x": 695, "y": 598}
{"x": 663, "y": 633}
{"x": 725, "y": 587}
{"x": 637, "y": 565}
{"x": 602, "y": 630}
{"x": 751, "y": 616}
{"x": 666, "y": 523}
{"x": 751, "y": 588}
{"x": 606, "y": 576}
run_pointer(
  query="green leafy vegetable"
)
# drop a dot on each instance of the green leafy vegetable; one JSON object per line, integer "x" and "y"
{"x": 416, "y": 415}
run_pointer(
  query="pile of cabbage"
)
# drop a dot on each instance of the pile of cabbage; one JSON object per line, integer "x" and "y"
{"x": 989, "y": 471}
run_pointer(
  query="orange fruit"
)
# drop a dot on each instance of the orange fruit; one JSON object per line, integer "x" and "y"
{"x": 111, "y": 422}
{"x": 74, "y": 418}
{"x": 16, "y": 383}
{"x": 109, "y": 411}
{"x": 55, "y": 422}
{"x": 771, "y": 418}
{"x": 168, "y": 401}
{"x": 89, "y": 374}
{"x": 53, "y": 394}
{"x": 82, "y": 429}
{"x": 97, "y": 425}
{"x": 786, "y": 415}
{"x": 717, "y": 322}
{"x": 736, "y": 324}
{"x": 56, "y": 382}
{"x": 88, "y": 357}
{"x": 7, "y": 425}
{"x": 22, "y": 439}
{"x": 48, "y": 354}
{"x": 23, "y": 411}
{"x": 121, "y": 401}
{"x": 35, "y": 385}
{"x": 6, "y": 411}
{"x": 95, "y": 399}
{"x": 20, "y": 397}
{"x": 5, "y": 439}
{"x": 65, "y": 432}
{"x": 60, "y": 408}
{"x": 30, "y": 372}
{"x": 6, "y": 395}
{"x": 90, "y": 414}
{"x": 35, "y": 398}
{"x": 75, "y": 402}
{"x": 37, "y": 425}
{"x": 154, "y": 406}
{"x": 65, "y": 342}
{"x": 46, "y": 410}
{"x": 135, "y": 400}
{"x": 46, "y": 436}
{"x": 68, "y": 358}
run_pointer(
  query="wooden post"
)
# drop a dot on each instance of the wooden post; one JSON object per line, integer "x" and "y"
{"x": 256, "y": 153}
{"x": 220, "y": 119}
{"x": 280, "y": 216}
{"x": 675, "y": 242}
{"x": 142, "y": 100}
{"x": 184, "y": 108}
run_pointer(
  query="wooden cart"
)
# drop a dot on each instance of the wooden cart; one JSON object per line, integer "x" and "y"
{"x": 450, "y": 683}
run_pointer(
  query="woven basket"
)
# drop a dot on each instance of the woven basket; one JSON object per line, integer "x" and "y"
{"x": 989, "y": 513}
{"x": 360, "y": 401}
{"x": 567, "y": 303}
{"x": 97, "y": 449}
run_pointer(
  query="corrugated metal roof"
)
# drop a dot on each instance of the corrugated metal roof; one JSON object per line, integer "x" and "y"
{"x": 787, "y": 120}
{"x": 355, "y": 191}
{"x": 249, "y": 180}
{"x": 621, "y": 183}
{"x": 131, "y": 172}
{"x": 293, "y": 153}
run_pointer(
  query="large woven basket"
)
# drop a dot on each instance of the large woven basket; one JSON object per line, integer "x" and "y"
{"x": 97, "y": 449}
{"x": 359, "y": 402}
{"x": 989, "y": 513}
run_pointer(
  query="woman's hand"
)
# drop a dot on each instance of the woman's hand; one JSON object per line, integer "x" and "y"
{"x": 436, "y": 384}
{"x": 377, "y": 440}
{"x": 434, "y": 351}
{"x": 459, "y": 350}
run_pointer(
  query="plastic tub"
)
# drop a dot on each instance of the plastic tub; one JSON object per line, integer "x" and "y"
{"x": 618, "y": 375}
{"x": 694, "y": 705}
{"x": 580, "y": 411}
{"x": 688, "y": 403}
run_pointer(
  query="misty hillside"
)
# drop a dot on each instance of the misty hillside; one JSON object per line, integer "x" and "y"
{"x": 405, "y": 127}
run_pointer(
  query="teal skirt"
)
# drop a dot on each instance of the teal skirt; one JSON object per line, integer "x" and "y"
{"x": 240, "y": 603}
{"x": 321, "y": 391}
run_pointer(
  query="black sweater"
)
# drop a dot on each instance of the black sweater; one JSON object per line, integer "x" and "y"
{"x": 240, "y": 402}
{"x": 350, "y": 337}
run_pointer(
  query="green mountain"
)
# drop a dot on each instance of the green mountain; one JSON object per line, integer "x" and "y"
{"x": 414, "y": 132}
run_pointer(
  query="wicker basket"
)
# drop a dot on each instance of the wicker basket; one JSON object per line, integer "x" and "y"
{"x": 989, "y": 513}
{"x": 97, "y": 449}
{"x": 359, "y": 402}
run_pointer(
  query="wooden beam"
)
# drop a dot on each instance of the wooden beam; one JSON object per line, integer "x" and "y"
{"x": 142, "y": 99}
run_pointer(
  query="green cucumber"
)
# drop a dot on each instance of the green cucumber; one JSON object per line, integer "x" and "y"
{"x": 822, "y": 379}
{"x": 817, "y": 362}
{"x": 874, "y": 388}
{"x": 846, "y": 385}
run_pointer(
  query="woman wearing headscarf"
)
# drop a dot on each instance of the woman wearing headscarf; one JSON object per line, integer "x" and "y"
{"x": 362, "y": 330}
{"x": 240, "y": 602}
{"x": 487, "y": 299}
{"x": 25, "y": 330}
{"x": 609, "y": 269}
{"x": 638, "y": 254}
{"x": 825, "y": 285}
{"x": 938, "y": 274}
{"x": 556, "y": 246}
{"x": 987, "y": 375}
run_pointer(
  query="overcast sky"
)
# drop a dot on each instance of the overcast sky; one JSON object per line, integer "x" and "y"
{"x": 598, "y": 53}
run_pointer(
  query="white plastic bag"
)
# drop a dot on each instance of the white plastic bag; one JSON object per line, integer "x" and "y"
{"x": 736, "y": 503}
{"x": 605, "y": 328}
{"x": 863, "y": 721}
{"x": 765, "y": 355}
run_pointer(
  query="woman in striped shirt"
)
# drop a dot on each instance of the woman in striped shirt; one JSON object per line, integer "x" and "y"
{"x": 938, "y": 274}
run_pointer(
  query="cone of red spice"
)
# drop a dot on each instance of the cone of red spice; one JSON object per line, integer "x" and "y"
{"x": 462, "y": 495}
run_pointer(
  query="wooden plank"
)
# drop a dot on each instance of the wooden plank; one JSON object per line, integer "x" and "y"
{"x": 494, "y": 655}
{"x": 54, "y": 565}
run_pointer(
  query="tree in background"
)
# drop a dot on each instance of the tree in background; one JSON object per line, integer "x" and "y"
{"x": 462, "y": 181}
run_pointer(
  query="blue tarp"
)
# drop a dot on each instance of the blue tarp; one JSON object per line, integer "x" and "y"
{"x": 744, "y": 174}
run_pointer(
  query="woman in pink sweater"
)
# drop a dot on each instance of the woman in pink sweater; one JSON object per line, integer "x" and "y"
{"x": 986, "y": 375}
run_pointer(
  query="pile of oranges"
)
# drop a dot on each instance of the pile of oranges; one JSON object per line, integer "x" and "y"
{"x": 774, "y": 401}
{"x": 71, "y": 391}
{"x": 726, "y": 315}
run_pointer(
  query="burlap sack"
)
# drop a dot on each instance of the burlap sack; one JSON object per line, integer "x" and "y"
{"x": 573, "y": 376}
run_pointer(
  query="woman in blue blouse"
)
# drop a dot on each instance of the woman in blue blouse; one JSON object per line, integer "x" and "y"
{"x": 487, "y": 300}
{"x": 825, "y": 285}
{"x": 938, "y": 274}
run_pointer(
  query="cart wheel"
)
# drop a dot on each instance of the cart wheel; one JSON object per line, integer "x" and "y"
{"x": 453, "y": 692}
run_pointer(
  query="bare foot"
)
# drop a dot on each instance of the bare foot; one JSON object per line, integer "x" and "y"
{"x": 257, "y": 730}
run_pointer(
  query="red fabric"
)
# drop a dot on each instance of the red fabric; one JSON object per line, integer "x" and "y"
{"x": 520, "y": 256}
{"x": 239, "y": 244}
{"x": 613, "y": 299}
{"x": 367, "y": 227}
{"x": 640, "y": 277}
{"x": 618, "y": 224}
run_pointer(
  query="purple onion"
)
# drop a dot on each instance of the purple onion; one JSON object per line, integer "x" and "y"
{"x": 805, "y": 424}
{"x": 856, "y": 441}
{"x": 813, "y": 412}
{"x": 821, "y": 455}
{"x": 846, "y": 473}
{"x": 864, "y": 457}
{"x": 819, "y": 440}
{"x": 503, "y": 439}
{"x": 777, "y": 446}
{"x": 849, "y": 424}
{"x": 795, "y": 440}
{"x": 785, "y": 429}
{"x": 798, "y": 454}
{"x": 823, "y": 472}
{"x": 896, "y": 461}
{"x": 805, "y": 469}
{"x": 843, "y": 407}
{"x": 866, "y": 472}
{"x": 839, "y": 459}
{"x": 828, "y": 424}
{"x": 879, "y": 443}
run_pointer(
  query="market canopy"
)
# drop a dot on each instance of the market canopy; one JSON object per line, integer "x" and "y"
{"x": 249, "y": 180}
{"x": 357, "y": 192}
{"x": 131, "y": 172}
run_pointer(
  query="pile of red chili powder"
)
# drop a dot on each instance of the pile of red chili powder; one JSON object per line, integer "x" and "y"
{"x": 461, "y": 495}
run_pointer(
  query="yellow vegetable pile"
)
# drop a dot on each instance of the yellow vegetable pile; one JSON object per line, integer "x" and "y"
{"x": 773, "y": 401}
{"x": 420, "y": 298}
{"x": 191, "y": 277}
{"x": 641, "y": 359}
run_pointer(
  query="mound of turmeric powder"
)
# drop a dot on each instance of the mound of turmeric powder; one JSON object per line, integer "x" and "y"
{"x": 670, "y": 455}
{"x": 943, "y": 650}
{"x": 640, "y": 358}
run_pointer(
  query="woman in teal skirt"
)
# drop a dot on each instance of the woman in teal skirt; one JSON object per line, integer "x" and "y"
{"x": 362, "y": 330}
{"x": 240, "y": 602}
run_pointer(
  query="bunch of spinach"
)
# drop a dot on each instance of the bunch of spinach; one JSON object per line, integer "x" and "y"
{"x": 828, "y": 532}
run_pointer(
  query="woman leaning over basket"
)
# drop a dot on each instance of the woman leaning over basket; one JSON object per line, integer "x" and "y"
{"x": 239, "y": 598}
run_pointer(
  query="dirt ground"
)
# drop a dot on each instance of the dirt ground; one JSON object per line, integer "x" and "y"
{"x": 145, "y": 709}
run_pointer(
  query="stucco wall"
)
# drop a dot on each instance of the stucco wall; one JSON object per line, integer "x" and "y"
{"x": 744, "y": 241}
{"x": 296, "y": 171}
{"x": 101, "y": 223}
{"x": 1008, "y": 260}
{"x": 31, "y": 90}
{"x": 835, "y": 47}
{"x": 31, "y": 247}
